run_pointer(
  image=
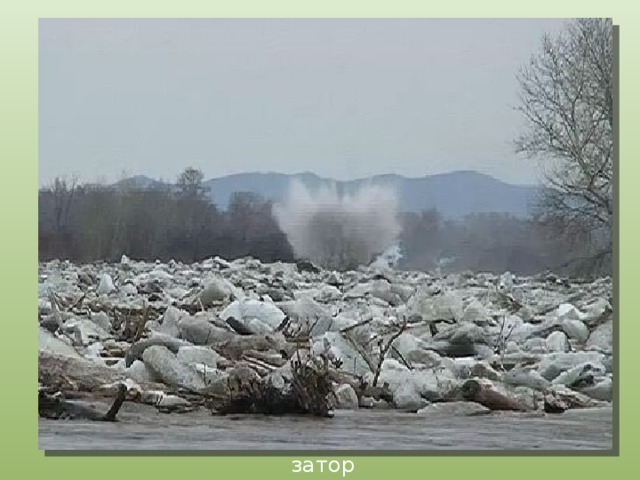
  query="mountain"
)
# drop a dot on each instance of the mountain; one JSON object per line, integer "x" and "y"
{"x": 460, "y": 193}
{"x": 454, "y": 194}
{"x": 270, "y": 185}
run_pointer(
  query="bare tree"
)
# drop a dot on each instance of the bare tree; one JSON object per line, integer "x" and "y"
{"x": 62, "y": 190}
{"x": 190, "y": 184}
{"x": 567, "y": 99}
{"x": 194, "y": 214}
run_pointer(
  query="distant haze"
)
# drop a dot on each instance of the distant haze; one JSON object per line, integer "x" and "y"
{"x": 343, "y": 98}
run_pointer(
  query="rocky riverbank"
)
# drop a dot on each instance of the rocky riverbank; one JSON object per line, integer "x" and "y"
{"x": 243, "y": 335}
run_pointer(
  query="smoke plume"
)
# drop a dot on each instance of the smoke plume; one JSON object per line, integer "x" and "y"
{"x": 339, "y": 231}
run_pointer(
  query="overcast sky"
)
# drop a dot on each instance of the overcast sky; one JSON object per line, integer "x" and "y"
{"x": 341, "y": 98}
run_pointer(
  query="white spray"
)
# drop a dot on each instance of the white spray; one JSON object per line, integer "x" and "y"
{"x": 339, "y": 231}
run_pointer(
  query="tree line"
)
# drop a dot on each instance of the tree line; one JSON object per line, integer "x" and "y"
{"x": 498, "y": 242}
{"x": 87, "y": 223}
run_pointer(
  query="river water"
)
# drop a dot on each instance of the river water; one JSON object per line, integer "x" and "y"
{"x": 142, "y": 428}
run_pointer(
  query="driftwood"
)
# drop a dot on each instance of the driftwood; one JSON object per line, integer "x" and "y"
{"x": 311, "y": 384}
{"x": 73, "y": 374}
{"x": 474, "y": 391}
{"x": 375, "y": 392}
{"x": 258, "y": 397}
{"x": 384, "y": 349}
{"x": 239, "y": 327}
{"x": 558, "y": 401}
{"x": 308, "y": 392}
{"x": 55, "y": 407}
{"x": 134, "y": 322}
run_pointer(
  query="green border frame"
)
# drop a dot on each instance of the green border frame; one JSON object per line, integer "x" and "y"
{"x": 18, "y": 130}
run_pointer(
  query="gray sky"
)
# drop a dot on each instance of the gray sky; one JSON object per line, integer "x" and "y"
{"x": 342, "y": 98}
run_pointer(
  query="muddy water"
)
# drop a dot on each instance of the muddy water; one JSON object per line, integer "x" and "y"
{"x": 142, "y": 428}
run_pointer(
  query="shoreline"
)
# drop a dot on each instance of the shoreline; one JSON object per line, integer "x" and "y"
{"x": 588, "y": 429}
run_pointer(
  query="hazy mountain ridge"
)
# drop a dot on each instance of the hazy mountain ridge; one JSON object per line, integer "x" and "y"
{"x": 454, "y": 194}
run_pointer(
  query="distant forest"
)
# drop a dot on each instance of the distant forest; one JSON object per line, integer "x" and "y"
{"x": 87, "y": 223}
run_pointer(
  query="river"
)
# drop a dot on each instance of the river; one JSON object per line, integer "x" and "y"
{"x": 142, "y": 428}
